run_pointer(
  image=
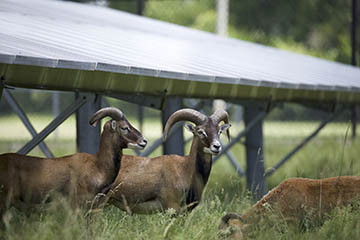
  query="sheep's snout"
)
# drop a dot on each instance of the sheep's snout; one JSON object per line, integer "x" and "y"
{"x": 143, "y": 143}
{"x": 139, "y": 145}
{"x": 214, "y": 149}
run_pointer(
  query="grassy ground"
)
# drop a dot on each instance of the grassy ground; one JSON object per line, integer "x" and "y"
{"x": 329, "y": 154}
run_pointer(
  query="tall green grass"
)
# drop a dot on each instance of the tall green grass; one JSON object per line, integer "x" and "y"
{"x": 329, "y": 154}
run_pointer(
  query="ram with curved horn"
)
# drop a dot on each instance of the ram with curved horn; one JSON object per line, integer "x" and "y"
{"x": 27, "y": 180}
{"x": 146, "y": 185}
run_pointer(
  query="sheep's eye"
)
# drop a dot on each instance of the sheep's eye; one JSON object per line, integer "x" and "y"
{"x": 125, "y": 129}
{"x": 202, "y": 133}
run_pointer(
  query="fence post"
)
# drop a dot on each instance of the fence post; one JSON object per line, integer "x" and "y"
{"x": 1, "y": 87}
{"x": 1, "y": 91}
{"x": 175, "y": 143}
{"x": 254, "y": 153}
{"x": 87, "y": 136}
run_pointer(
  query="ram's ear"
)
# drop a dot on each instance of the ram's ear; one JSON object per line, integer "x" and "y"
{"x": 113, "y": 125}
{"x": 189, "y": 127}
{"x": 225, "y": 127}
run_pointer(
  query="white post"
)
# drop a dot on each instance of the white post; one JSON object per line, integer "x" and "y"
{"x": 222, "y": 20}
{"x": 222, "y": 17}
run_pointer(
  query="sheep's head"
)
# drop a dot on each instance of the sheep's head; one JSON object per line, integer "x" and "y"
{"x": 127, "y": 135}
{"x": 232, "y": 226}
{"x": 207, "y": 129}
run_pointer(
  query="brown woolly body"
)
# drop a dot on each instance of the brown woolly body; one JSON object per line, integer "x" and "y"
{"x": 155, "y": 184}
{"x": 147, "y": 185}
{"x": 27, "y": 180}
{"x": 296, "y": 198}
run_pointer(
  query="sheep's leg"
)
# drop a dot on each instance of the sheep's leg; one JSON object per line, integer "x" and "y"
{"x": 147, "y": 207}
{"x": 174, "y": 204}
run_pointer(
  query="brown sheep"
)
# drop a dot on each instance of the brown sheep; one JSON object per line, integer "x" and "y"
{"x": 26, "y": 180}
{"x": 146, "y": 185}
{"x": 294, "y": 199}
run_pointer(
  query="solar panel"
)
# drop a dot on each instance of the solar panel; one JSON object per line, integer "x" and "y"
{"x": 47, "y": 44}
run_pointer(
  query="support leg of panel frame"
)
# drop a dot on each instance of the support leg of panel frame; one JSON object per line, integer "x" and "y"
{"x": 1, "y": 90}
{"x": 303, "y": 143}
{"x": 254, "y": 153}
{"x": 87, "y": 136}
{"x": 175, "y": 143}
{"x": 21, "y": 114}
{"x": 354, "y": 117}
{"x": 52, "y": 126}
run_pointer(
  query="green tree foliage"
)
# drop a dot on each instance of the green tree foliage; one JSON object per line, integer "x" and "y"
{"x": 318, "y": 25}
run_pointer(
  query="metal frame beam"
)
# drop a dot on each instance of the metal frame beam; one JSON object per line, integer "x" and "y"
{"x": 302, "y": 143}
{"x": 52, "y": 126}
{"x": 87, "y": 136}
{"x": 25, "y": 120}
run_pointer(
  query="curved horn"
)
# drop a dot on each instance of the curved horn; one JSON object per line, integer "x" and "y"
{"x": 221, "y": 115}
{"x": 112, "y": 112}
{"x": 185, "y": 114}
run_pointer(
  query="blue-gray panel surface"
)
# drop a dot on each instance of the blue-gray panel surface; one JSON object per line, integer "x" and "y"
{"x": 69, "y": 36}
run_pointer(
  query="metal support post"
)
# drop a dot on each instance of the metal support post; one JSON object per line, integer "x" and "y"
{"x": 141, "y": 117}
{"x": 254, "y": 153}
{"x": 87, "y": 136}
{"x": 354, "y": 117}
{"x": 1, "y": 89}
{"x": 21, "y": 114}
{"x": 52, "y": 126}
{"x": 175, "y": 143}
{"x": 56, "y": 108}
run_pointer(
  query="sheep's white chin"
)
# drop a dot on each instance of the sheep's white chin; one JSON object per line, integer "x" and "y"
{"x": 208, "y": 150}
{"x": 134, "y": 146}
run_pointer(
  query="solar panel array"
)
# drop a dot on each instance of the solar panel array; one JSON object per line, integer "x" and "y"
{"x": 58, "y": 45}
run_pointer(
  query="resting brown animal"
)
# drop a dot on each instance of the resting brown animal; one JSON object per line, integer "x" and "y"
{"x": 147, "y": 185}
{"x": 26, "y": 180}
{"x": 294, "y": 199}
